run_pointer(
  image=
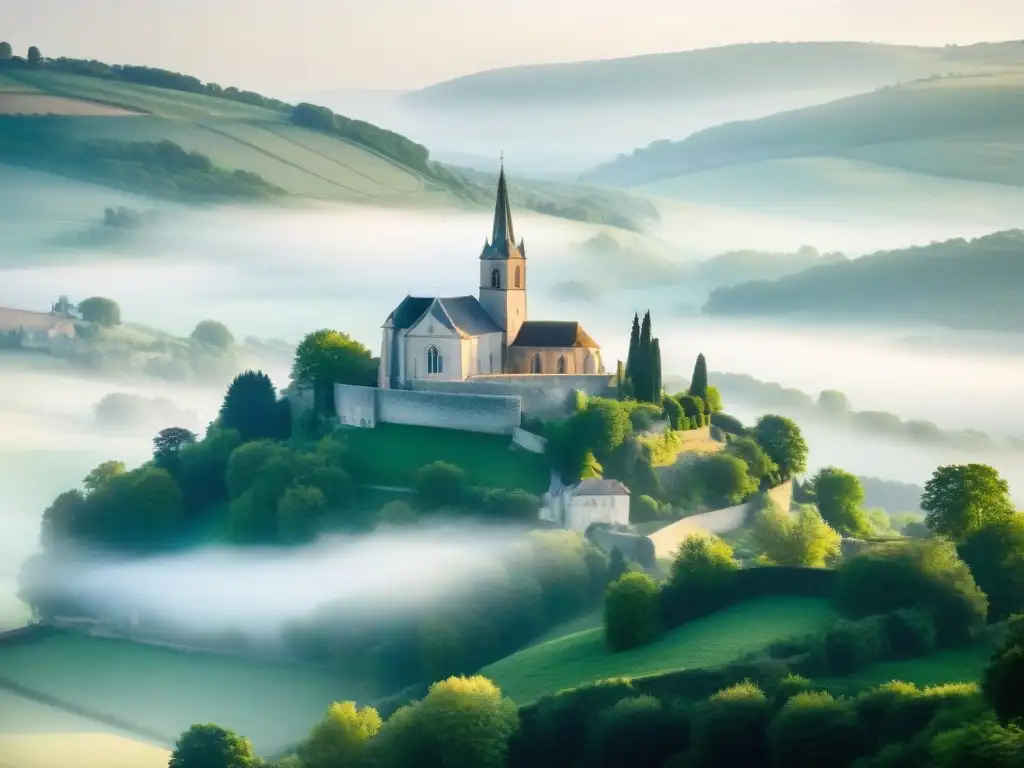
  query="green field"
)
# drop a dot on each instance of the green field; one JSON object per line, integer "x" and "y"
{"x": 166, "y": 691}
{"x": 572, "y": 660}
{"x": 234, "y": 136}
{"x": 958, "y": 665}
{"x": 391, "y": 454}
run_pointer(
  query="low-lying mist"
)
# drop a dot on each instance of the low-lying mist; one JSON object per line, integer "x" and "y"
{"x": 259, "y": 592}
{"x": 280, "y": 273}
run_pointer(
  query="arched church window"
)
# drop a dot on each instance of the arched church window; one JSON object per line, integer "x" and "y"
{"x": 561, "y": 364}
{"x": 535, "y": 364}
{"x": 519, "y": 277}
{"x": 495, "y": 278}
{"x": 435, "y": 362}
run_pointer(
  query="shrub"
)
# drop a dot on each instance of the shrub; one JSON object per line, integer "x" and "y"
{"x": 850, "y": 646}
{"x": 995, "y": 554}
{"x": 910, "y": 632}
{"x": 728, "y": 424}
{"x": 631, "y": 612}
{"x": 981, "y": 744}
{"x": 644, "y": 509}
{"x": 206, "y": 746}
{"x": 731, "y": 728}
{"x": 926, "y": 574}
{"x": 673, "y": 411}
{"x": 725, "y": 479}
{"x": 815, "y": 730}
{"x": 341, "y": 737}
{"x": 640, "y": 732}
{"x": 396, "y": 512}
{"x": 788, "y": 687}
{"x": 798, "y": 539}
{"x": 440, "y": 485}
{"x": 701, "y": 577}
{"x": 840, "y": 497}
{"x": 1004, "y": 681}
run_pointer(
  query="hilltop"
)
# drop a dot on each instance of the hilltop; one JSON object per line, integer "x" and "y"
{"x": 168, "y": 135}
{"x": 957, "y": 283}
{"x": 714, "y": 73}
{"x": 963, "y": 126}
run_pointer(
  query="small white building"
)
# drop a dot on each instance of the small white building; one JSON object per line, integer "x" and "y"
{"x": 591, "y": 501}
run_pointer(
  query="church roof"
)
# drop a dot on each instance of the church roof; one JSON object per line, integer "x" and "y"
{"x": 502, "y": 244}
{"x": 462, "y": 314}
{"x": 553, "y": 333}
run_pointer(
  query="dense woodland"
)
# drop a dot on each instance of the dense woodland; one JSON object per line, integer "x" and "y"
{"x": 956, "y": 283}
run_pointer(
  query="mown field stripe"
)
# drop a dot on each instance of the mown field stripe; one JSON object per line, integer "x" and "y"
{"x": 90, "y": 714}
{"x": 280, "y": 159}
{"x": 49, "y": 89}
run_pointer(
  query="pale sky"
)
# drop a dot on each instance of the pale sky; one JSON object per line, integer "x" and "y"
{"x": 288, "y": 46}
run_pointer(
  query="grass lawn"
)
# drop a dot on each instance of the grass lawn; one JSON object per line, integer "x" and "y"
{"x": 959, "y": 665}
{"x": 582, "y": 657}
{"x": 390, "y": 454}
{"x": 167, "y": 691}
{"x": 33, "y": 735}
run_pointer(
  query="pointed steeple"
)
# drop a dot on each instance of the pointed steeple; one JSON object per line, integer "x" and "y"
{"x": 503, "y": 238}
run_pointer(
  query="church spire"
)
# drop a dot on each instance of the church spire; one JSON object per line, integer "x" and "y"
{"x": 503, "y": 238}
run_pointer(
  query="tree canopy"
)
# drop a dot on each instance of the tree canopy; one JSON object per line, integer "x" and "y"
{"x": 959, "y": 499}
{"x": 214, "y": 333}
{"x": 325, "y": 358}
{"x": 341, "y": 738}
{"x": 210, "y": 746}
{"x": 251, "y": 407}
{"x": 6, "y": 52}
{"x": 631, "y": 612}
{"x": 100, "y": 310}
{"x": 800, "y": 539}
{"x": 840, "y": 497}
{"x": 784, "y": 443}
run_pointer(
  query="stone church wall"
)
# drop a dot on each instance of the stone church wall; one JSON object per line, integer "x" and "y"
{"x": 356, "y": 406}
{"x": 540, "y": 395}
{"x": 467, "y": 412}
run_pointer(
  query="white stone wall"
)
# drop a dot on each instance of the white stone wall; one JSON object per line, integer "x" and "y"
{"x": 583, "y": 511}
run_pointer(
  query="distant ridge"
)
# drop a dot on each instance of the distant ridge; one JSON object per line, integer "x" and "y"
{"x": 716, "y": 72}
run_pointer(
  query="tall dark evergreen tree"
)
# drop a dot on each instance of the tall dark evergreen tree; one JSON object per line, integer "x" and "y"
{"x": 643, "y": 379}
{"x": 656, "y": 372}
{"x": 699, "y": 380}
{"x": 634, "y": 348}
{"x": 251, "y": 407}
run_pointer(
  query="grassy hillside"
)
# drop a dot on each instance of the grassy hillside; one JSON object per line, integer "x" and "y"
{"x": 232, "y": 135}
{"x": 570, "y": 660}
{"x": 166, "y": 691}
{"x": 957, "y": 283}
{"x": 716, "y": 73}
{"x": 962, "y": 126}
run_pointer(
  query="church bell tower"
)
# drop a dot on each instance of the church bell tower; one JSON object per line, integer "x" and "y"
{"x": 503, "y": 269}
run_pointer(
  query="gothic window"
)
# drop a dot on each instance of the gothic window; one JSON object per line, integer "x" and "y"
{"x": 561, "y": 364}
{"x": 435, "y": 363}
{"x": 535, "y": 364}
{"x": 519, "y": 277}
{"x": 495, "y": 278}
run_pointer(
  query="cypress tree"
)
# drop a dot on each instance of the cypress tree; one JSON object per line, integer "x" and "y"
{"x": 699, "y": 380}
{"x": 656, "y": 372}
{"x": 634, "y": 348}
{"x": 643, "y": 378}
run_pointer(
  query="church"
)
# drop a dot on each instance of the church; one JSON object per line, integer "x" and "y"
{"x": 463, "y": 337}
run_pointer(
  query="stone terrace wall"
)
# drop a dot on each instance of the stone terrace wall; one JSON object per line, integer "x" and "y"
{"x": 356, "y": 406}
{"x": 540, "y": 394}
{"x": 467, "y": 412}
{"x": 667, "y": 540}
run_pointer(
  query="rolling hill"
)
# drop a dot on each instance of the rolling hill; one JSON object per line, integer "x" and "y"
{"x": 963, "y": 126}
{"x": 714, "y": 73}
{"x": 972, "y": 285}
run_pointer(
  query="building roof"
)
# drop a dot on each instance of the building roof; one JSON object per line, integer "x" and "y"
{"x": 553, "y": 333}
{"x": 503, "y": 237}
{"x": 462, "y": 314}
{"x": 600, "y": 488}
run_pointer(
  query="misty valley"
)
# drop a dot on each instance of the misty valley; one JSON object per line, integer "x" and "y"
{"x": 676, "y": 424}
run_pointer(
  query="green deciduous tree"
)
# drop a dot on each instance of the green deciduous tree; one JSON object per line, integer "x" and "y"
{"x": 300, "y": 514}
{"x": 101, "y": 311}
{"x": 814, "y": 730}
{"x": 731, "y": 728}
{"x": 840, "y": 497}
{"x": 167, "y": 446}
{"x": 759, "y": 465}
{"x": 210, "y": 746}
{"x": 923, "y": 573}
{"x": 103, "y": 474}
{"x": 325, "y": 358}
{"x": 341, "y": 738}
{"x": 639, "y": 732}
{"x": 800, "y": 538}
{"x": 461, "y": 723}
{"x": 784, "y": 443}
{"x": 959, "y": 499}
{"x": 214, "y": 333}
{"x": 834, "y": 403}
{"x": 6, "y": 52}
{"x": 724, "y": 479}
{"x": 631, "y": 612}
{"x": 440, "y": 485}
{"x": 995, "y": 554}
{"x": 251, "y": 407}
{"x": 35, "y": 57}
